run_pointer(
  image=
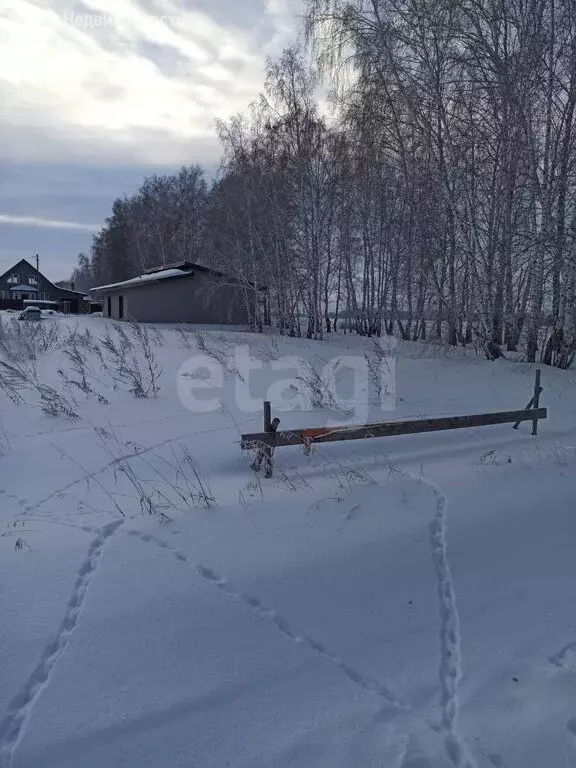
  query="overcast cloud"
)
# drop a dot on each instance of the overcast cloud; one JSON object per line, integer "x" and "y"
{"x": 96, "y": 94}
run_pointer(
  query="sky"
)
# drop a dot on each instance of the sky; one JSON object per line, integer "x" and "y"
{"x": 95, "y": 95}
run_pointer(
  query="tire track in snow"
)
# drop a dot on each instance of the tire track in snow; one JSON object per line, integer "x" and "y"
{"x": 21, "y": 706}
{"x": 281, "y": 624}
{"x": 450, "y": 670}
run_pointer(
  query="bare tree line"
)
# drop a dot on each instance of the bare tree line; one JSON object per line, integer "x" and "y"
{"x": 440, "y": 200}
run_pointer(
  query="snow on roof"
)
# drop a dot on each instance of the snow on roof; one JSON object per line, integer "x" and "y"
{"x": 151, "y": 278}
{"x": 28, "y": 288}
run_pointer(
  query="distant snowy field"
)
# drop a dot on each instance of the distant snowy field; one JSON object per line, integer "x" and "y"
{"x": 405, "y": 602}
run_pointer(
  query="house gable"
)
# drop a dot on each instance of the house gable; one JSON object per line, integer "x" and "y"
{"x": 24, "y": 279}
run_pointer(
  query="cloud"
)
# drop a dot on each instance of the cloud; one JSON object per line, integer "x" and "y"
{"x": 34, "y": 221}
{"x": 61, "y": 192}
{"x": 107, "y": 78}
{"x": 58, "y": 248}
{"x": 97, "y": 94}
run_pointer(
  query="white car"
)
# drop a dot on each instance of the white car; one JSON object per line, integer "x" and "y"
{"x": 31, "y": 313}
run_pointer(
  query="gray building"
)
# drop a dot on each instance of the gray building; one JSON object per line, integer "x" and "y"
{"x": 180, "y": 293}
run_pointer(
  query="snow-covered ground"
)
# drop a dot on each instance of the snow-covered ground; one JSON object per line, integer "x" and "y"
{"x": 405, "y": 602}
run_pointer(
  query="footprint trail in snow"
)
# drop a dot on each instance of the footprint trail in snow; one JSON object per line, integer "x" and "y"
{"x": 21, "y": 706}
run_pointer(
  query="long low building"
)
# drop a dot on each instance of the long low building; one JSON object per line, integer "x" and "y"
{"x": 180, "y": 293}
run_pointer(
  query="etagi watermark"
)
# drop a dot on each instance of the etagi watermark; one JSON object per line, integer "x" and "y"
{"x": 97, "y": 21}
{"x": 349, "y": 387}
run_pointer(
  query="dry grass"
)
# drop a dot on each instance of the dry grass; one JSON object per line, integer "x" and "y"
{"x": 128, "y": 359}
{"x": 21, "y": 340}
{"x": 125, "y": 356}
{"x": 160, "y": 482}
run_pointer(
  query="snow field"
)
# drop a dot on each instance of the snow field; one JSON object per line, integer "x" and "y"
{"x": 404, "y": 602}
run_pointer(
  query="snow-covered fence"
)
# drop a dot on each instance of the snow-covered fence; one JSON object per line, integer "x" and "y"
{"x": 265, "y": 442}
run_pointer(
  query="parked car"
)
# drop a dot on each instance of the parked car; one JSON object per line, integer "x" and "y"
{"x": 31, "y": 313}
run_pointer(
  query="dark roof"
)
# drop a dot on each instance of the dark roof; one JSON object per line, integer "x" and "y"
{"x": 146, "y": 279}
{"x": 22, "y": 261}
{"x": 174, "y": 270}
{"x": 185, "y": 266}
{"x": 70, "y": 292}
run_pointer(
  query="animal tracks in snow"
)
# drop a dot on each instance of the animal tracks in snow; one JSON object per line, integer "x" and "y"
{"x": 450, "y": 671}
{"x": 281, "y": 624}
{"x": 22, "y": 503}
{"x": 450, "y": 656}
{"x": 450, "y": 663}
{"x": 19, "y": 710}
{"x": 565, "y": 658}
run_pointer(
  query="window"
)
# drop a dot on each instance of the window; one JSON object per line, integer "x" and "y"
{"x": 13, "y": 279}
{"x": 109, "y": 313}
{"x": 120, "y": 307}
{"x": 32, "y": 281}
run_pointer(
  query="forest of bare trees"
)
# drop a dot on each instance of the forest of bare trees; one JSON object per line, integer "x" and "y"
{"x": 437, "y": 199}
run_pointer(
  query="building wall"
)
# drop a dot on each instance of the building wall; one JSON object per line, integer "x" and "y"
{"x": 199, "y": 298}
